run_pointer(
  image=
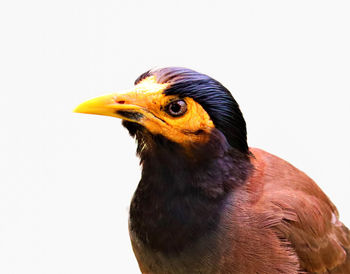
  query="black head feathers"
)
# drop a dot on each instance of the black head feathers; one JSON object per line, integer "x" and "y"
{"x": 211, "y": 95}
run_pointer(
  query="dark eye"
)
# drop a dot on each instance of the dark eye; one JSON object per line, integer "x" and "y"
{"x": 177, "y": 108}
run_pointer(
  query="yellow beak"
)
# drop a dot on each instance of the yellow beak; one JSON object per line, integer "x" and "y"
{"x": 117, "y": 105}
{"x": 136, "y": 105}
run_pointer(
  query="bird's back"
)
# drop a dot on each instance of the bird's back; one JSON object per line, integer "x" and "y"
{"x": 306, "y": 223}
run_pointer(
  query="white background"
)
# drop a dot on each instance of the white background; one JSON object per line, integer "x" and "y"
{"x": 66, "y": 179}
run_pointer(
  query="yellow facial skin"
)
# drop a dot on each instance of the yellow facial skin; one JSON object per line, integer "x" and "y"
{"x": 148, "y": 102}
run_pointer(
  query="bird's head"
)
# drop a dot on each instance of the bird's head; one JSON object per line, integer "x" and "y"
{"x": 178, "y": 104}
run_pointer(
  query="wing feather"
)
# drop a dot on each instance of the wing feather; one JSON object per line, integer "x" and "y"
{"x": 300, "y": 213}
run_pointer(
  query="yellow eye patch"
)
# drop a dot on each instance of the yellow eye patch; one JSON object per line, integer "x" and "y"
{"x": 146, "y": 104}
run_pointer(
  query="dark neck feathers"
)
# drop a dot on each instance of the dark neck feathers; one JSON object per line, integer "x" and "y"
{"x": 179, "y": 197}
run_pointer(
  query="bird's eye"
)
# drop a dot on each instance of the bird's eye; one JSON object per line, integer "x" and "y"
{"x": 177, "y": 108}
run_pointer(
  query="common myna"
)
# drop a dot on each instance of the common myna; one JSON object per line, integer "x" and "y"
{"x": 206, "y": 202}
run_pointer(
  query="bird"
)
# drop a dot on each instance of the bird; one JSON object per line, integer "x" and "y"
{"x": 206, "y": 201}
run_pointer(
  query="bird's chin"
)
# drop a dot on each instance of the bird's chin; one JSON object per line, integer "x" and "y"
{"x": 133, "y": 127}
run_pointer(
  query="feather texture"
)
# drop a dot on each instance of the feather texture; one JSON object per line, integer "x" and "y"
{"x": 301, "y": 215}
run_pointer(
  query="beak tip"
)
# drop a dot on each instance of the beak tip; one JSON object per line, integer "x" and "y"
{"x": 78, "y": 109}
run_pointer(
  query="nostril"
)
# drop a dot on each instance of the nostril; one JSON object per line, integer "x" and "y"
{"x": 121, "y": 102}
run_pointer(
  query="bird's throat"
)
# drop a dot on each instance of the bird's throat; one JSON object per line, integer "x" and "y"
{"x": 178, "y": 199}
